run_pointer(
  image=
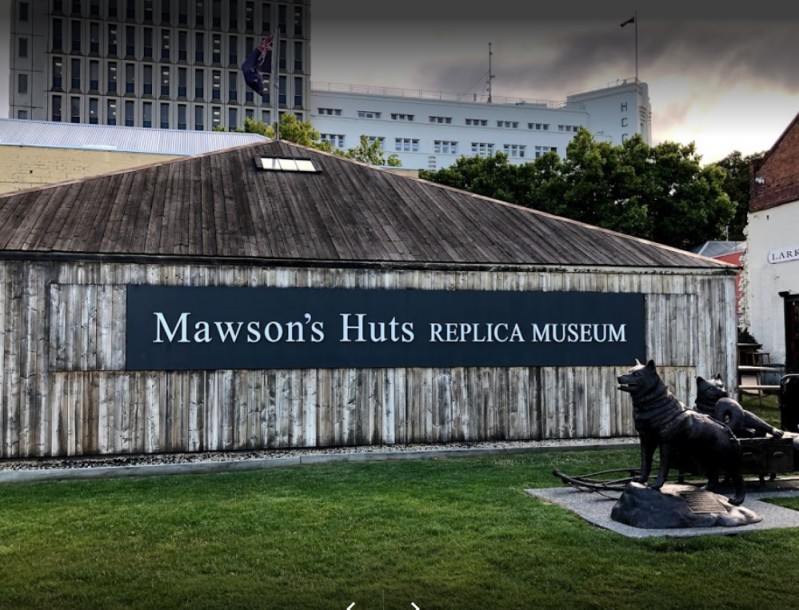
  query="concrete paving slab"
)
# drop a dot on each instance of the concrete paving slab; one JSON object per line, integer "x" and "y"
{"x": 595, "y": 508}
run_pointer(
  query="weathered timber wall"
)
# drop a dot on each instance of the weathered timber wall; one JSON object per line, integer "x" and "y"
{"x": 65, "y": 390}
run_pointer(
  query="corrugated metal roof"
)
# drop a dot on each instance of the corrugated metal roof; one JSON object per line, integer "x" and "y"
{"x": 221, "y": 206}
{"x": 17, "y": 132}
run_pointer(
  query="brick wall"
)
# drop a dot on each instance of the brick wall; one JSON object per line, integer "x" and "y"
{"x": 779, "y": 172}
{"x": 24, "y": 167}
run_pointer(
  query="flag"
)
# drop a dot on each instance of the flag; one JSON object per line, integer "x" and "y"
{"x": 254, "y": 63}
{"x": 630, "y": 20}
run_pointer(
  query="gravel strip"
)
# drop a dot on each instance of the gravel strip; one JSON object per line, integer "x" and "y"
{"x": 309, "y": 455}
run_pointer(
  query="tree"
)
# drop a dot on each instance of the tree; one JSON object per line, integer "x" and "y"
{"x": 372, "y": 154}
{"x": 291, "y": 130}
{"x": 659, "y": 193}
{"x": 736, "y": 185}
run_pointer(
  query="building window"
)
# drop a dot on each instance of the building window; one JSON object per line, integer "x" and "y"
{"x": 233, "y": 50}
{"x": 336, "y": 139}
{"x": 111, "y": 112}
{"x": 183, "y": 45}
{"x": 216, "y": 116}
{"x": 22, "y": 83}
{"x": 130, "y": 11}
{"x": 542, "y": 150}
{"x": 112, "y": 40}
{"x": 281, "y": 19}
{"x": 216, "y": 85}
{"x": 249, "y": 16}
{"x": 368, "y": 114}
{"x": 216, "y": 49}
{"x": 298, "y": 57}
{"x": 181, "y": 116}
{"x": 76, "y": 7}
{"x": 147, "y": 114}
{"x": 58, "y": 6}
{"x": 199, "y": 84}
{"x": 55, "y": 109}
{"x": 482, "y": 149}
{"x": 94, "y": 76}
{"x": 94, "y": 38}
{"x": 232, "y": 86}
{"x": 148, "y": 11}
{"x": 130, "y": 41}
{"x": 147, "y": 43}
{"x": 406, "y": 144}
{"x": 477, "y": 122}
{"x": 58, "y": 73}
{"x": 94, "y": 110}
{"x": 75, "y": 27}
{"x": 199, "y": 119}
{"x": 112, "y": 77}
{"x": 281, "y": 91}
{"x": 183, "y": 12}
{"x": 508, "y": 124}
{"x": 199, "y": 47}
{"x": 281, "y": 56}
{"x": 266, "y": 17}
{"x": 329, "y": 111}
{"x": 165, "y": 48}
{"x": 182, "y": 80}
{"x": 216, "y": 14}
{"x": 446, "y": 147}
{"x": 298, "y": 21}
{"x": 129, "y": 114}
{"x": 22, "y": 47}
{"x": 22, "y": 13}
{"x": 165, "y": 81}
{"x": 74, "y": 109}
{"x": 147, "y": 78}
{"x": 74, "y": 74}
{"x": 232, "y": 119}
{"x": 233, "y": 15}
{"x": 538, "y": 126}
{"x": 569, "y": 128}
{"x": 298, "y": 87}
{"x": 166, "y": 15}
{"x": 396, "y": 116}
{"x": 515, "y": 151}
{"x": 379, "y": 140}
{"x": 58, "y": 35}
{"x": 130, "y": 74}
{"x": 199, "y": 13}
{"x": 446, "y": 120}
{"x": 164, "y": 110}
{"x": 112, "y": 11}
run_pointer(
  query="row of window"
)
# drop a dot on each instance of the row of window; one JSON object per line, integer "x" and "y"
{"x": 483, "y": 149}
{"x": 231, "y": 15}
{"x": 143, "y": 43}
{"x": 143, "y": 113}
{"x": 173, "y": 82}
{"x": 446, "y": 120}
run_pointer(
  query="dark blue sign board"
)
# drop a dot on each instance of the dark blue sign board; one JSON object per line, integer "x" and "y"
{"x": 224, "y": 327}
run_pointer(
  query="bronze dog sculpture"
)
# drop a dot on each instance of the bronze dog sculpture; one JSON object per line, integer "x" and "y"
{"x": 665, "y": 423}
{"x": 712, "y": 399}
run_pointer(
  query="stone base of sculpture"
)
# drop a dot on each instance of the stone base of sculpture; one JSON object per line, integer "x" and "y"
{"x": 678, "y": 506}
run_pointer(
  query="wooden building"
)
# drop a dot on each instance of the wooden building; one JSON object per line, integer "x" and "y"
{"x": 272, "y": 296}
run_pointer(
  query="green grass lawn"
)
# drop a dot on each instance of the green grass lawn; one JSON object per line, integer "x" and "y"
{"x": 441, "y": 533}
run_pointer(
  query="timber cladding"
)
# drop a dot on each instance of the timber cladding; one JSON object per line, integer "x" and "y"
{"x": 66, "y": 390}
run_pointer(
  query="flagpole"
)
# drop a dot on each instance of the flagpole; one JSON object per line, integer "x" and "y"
{"x": 636, "y": 46}
{"x": 274, "y": 78}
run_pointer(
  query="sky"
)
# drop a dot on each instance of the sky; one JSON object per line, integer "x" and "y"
{"x": 722, "y": 76}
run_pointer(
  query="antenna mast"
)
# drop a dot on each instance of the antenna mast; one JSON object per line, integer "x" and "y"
{"x": 490, "y": 74}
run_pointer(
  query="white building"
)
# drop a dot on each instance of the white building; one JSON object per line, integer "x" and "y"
{"x": 772, "y": 257}
{"x": 428, "y": 130}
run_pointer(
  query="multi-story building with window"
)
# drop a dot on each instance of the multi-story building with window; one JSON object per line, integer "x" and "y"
{"x": 430, "y": 130}
{"x": 176, "y": 64}
{"x": 151, "y": 63}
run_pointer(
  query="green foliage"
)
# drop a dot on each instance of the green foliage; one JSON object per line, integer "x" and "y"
{"x": 736, "y": 185}
{"x": 372, "y": 154}
{"x": 660, "y": 193}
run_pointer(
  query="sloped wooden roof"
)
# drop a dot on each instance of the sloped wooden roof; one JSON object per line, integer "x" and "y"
{"x": 221, "y": 206}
